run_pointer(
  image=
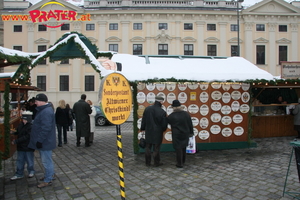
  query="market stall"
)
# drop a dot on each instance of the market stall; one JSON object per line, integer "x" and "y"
{"x": 214, "y": 90}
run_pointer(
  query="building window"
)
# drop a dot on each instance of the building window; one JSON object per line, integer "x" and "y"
{"x": 42, "y": 48}
{"x": 188, "y": 26}
{"x": 19, "y": 48}
{"x": 113, "y": 26}
{"x": 188, "y": 49}
{"x": 234, "y": 27}
{"x": 162, "y": 26}
{"x": 64, "y": 83}
{"x": 137, "y": 26}
{"x": 260, "y": 27}
{"x": 282, "y": 54}
{"x": 162, "y": 49}
{"x": 89, "y": 83}
{"x": 41, "y": 82}
{"x": 260, "y": 54}
{"x": 65, "y": 27}
{"x": 113, "y": 47}
{"x": 211, "y": 27}
{"x": 42, "y": 28}
{"x": 234, "y": 50}
{"x": 90, "y": 27}
{"x": 282, "y": 28}
{"x": 137, "y": 49}
{"x": 17, "y": 28}
{"x": 64, "y": 61}
{"x": 212, "y": 50}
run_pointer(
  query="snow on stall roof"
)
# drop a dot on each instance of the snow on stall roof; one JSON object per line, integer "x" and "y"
{"x": 12, "y": 52}
{"x": 134, "y": 68}
{"x": 7, "y": 74}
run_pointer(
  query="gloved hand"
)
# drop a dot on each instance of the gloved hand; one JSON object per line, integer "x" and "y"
{"x": 39, "y": 145}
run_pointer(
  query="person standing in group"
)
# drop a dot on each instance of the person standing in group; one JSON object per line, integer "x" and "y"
{"x": 82, "y": 110}
{"x": 71, "y": 117}
{"x": 154, "y": 123}
{"x": 62, "y": 121}
{"x": 296, "y": 113}
{"x": 43, "y": 137}
{"x": 182, "y": 129}
{"x": 25, "y": 154}
{"x": 92, "y": 120}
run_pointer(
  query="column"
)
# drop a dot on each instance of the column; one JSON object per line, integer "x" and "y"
{"x": 271, "y": 62}
{"x": 200, "y": 39}
{"x": 248, "y": 46}
{"x": 102, "y": 35}
{"x": 294, "y": 46}
{"x": 223, "y": 40}
{"x": 125, "y": 39}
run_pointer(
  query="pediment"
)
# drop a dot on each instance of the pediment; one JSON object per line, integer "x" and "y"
{"x": 283, "y": 41}
{"x": 54, "y": 5}
{"x": 41, "y": 40}
{"x": 163, "y": 37}
{"x": 188, "y": 39}
{"x": 212, "y": 40}
{"x": 137, "y": 39}
{"x": 261, "y": 40}
{"x": 113, "y": 39}
{"x": 92, "y": 39}
{"x": 272, "y": 7}
{"x": 234, "y": 40}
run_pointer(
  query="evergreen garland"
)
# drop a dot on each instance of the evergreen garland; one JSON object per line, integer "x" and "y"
{"x": 135, "y": 118}
{"x": 6, "y": 152}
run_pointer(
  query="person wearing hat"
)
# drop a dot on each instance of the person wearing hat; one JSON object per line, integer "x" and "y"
{"x": 24, "y": 153}
{"x": 182, "y": 129}
{"x": 43, "y": 137}
{"x": 154, "y": 123}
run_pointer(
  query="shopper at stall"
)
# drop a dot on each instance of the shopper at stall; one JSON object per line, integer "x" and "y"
{"x": 24, "y": 153}
{"x": 92, "y": 121}
{"x": 43, "y": 138}
{"x": 296, "y": 113}
{"x": 82, "y": 110}
{"x": 182, "y": 129}
{"x": 62, "y": 121}
{"x": 154, "y": 123}
{"x": 71, "y": 117}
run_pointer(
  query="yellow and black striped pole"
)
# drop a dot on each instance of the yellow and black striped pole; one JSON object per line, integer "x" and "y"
{"x": 120, "y": 162}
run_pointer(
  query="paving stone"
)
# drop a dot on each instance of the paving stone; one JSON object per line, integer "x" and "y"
{"x": 93, "y": 173}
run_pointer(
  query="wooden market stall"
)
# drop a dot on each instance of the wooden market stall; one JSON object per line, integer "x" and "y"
{"x": 270, "y": 119}
{"x": 215, "y": 91}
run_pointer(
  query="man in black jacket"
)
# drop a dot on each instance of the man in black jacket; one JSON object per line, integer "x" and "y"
{"x": 154, "y": 123}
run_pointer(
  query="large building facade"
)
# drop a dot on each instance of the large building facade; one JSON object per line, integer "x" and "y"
{"x": 268, "y": 33}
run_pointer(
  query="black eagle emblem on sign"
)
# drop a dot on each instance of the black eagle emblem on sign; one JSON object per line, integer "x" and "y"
{"x": 116, "y": 80}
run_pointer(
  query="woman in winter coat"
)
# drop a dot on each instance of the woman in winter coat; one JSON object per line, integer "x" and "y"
{"x": 92, "y": 120}
{"x": 62, "y": 121}
{"x": 24, "y": 153}
{"x": 182, "y": 129}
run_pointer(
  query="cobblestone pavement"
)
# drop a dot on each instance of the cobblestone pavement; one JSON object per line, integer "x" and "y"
{"x": 92, "y": 173}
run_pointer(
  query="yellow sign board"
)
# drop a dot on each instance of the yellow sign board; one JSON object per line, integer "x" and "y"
{"x": 115, "y": 98}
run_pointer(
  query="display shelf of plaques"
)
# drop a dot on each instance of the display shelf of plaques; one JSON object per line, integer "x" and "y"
{"x": 219, "y": 111}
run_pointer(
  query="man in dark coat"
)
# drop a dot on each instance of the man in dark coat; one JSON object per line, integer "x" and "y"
{"x": 182, "y": 129}
{"x": 154, "y": 123}
{"x": 43, "y": 138}
{"x": 82, "y": 110}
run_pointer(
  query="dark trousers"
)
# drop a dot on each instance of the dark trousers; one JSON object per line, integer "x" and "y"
{"x": 60, "y": 129}
{"x": 87, "y": 141}
{"x": 156, "y": 153}
{"x": 180, "y": 156}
